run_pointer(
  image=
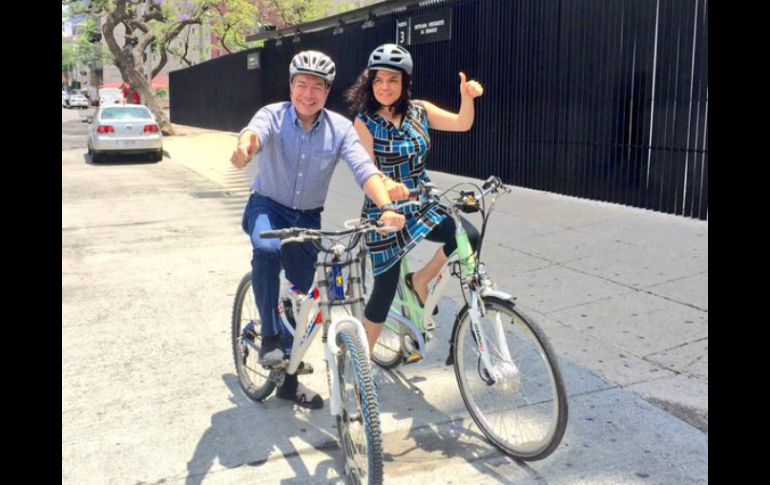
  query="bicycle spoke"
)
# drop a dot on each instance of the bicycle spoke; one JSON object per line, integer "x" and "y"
{"x": 252, "y": 377}
{"x": 519, "y": 411}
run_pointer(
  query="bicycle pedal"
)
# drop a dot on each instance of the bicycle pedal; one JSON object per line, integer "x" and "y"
{"x": 431, "y": 325}
{"x": 413, "y": 358}
{"x": 280, "y": 366}
{"x": 304, "y": 368}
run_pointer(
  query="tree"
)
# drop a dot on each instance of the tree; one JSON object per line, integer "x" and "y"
{"x": 144, "y": 24}
{"x": 292, "y": 12}
{"x": 68, "y": 61}
{"x": 231, "y": 22}
{"x": 131, "y": 28}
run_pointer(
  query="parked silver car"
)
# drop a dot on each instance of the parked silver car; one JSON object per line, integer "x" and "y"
{"x": 125, "y": 129}
{"x": 78, "y": 101}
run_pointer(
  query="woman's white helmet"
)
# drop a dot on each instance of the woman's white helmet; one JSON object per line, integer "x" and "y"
{"x": 314, "y": 63}
{"x": 391, "y": 57}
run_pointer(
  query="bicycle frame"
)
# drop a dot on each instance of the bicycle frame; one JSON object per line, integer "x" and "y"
{"x": 417, "y": 320}
{"x": 314, "y": 313}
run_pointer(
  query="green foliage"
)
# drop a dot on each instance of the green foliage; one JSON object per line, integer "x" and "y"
{"x": 68, "y": 58}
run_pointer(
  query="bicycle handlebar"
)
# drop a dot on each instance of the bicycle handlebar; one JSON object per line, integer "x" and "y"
{"x": 428, "y": 193}
{"x": 301, "y": 234}
{"x": 466, "y": 202}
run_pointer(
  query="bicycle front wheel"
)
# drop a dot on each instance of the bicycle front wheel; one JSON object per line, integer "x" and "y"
{"x": 524, "y": 413}
{"x": 358, "y": 424}
{"x": 246, "y": 341}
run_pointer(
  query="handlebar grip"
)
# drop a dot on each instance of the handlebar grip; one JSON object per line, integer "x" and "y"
{"x": 488, "y": 183}
{"x": 273, "y": 234}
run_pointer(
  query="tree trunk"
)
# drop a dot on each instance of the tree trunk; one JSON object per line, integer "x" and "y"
{"x": 139, "y": 82}
{"x": 132, "y": 70}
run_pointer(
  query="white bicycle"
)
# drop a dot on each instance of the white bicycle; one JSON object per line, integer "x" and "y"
{"x": 353, "y": 398}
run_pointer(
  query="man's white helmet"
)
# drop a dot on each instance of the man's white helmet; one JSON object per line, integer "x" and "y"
{"x": 314, "y": 63}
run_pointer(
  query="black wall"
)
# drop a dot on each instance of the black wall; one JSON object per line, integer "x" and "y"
{"x": 601, "y": 99}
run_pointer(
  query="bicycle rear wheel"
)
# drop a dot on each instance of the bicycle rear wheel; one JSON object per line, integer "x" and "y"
{"x": 246, "y": 341}
{"x": 359, "y": 422}
{"x": 525, "y": 413}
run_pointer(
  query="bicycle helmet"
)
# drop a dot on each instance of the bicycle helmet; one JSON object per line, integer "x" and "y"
{"x": 314, "y": 63}
{"x": 391, "y": 57}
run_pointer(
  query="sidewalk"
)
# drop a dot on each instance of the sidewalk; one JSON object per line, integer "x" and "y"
{"x": 620, "y": 290}
{"x": 156, "y": 250}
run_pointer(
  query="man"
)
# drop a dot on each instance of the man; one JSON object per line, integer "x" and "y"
{"x": 300, "y": 142}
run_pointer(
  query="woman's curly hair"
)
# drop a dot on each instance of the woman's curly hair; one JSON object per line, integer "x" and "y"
{"x": 360, "y": 96}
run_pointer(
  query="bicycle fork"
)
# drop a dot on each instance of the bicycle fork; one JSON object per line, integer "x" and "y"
{"x": 481, "y": 339}
{"x": 504, "y": 370}
{"x": 333, "y": 351}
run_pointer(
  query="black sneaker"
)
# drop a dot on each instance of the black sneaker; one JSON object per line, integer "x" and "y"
{"x": 292, "y": 390}
{"x": 270, "y": 352}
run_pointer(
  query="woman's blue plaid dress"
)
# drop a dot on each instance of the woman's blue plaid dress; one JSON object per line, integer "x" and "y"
{"x": 400, "y": 154}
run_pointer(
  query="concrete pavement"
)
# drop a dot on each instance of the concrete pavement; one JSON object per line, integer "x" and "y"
{"x": 151, "y": 257}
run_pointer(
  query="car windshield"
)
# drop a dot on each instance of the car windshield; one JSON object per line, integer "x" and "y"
{"x": 125, "y": 113}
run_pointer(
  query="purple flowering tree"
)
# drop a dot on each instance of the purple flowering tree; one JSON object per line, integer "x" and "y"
{"x": 130, "y": 27}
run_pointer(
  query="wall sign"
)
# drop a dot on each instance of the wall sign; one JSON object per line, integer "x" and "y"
{"x": 252, "y": 61}
{"x": 429, "y": 27}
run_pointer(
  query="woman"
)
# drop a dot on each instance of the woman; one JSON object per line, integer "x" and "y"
{"x": 394, "y": 130}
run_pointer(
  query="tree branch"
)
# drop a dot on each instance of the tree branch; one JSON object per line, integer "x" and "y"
{"x": 280, "y": 12}
{"x": 224, "y": 37}
{"x": 161, "y": 63}
{"x": 108, "y": 33}
{"x": 183, "y": 56}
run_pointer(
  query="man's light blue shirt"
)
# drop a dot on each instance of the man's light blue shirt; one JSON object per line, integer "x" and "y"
{"x": 296, "y": 167}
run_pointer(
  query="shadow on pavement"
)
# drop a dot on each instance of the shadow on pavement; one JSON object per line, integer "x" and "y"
{"x": 247, "y": 435}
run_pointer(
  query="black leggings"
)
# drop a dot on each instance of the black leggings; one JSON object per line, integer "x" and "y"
{"x": 385, "y": 283}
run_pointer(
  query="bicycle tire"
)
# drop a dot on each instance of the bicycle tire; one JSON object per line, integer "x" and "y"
{"x": 252, "y": 378}
{"x": 360, "y": 411}
{"x": 532, "y": 350}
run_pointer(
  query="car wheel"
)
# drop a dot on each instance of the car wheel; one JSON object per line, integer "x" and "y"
{"x": 157, "y": 156}
{"x": 96, "y": 157}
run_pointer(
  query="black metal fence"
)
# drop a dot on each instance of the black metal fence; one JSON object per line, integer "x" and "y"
{"x": 600, "y": 99}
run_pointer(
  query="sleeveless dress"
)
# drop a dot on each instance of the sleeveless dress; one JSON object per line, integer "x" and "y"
{"x": 400, "y": 154}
